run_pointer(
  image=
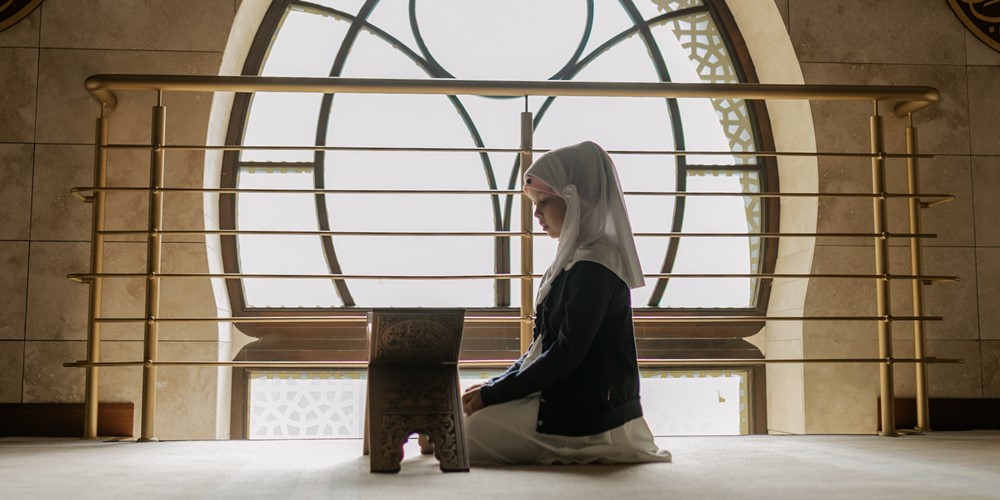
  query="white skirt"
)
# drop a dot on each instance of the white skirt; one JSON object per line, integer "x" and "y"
{"x": 505, "y": 434}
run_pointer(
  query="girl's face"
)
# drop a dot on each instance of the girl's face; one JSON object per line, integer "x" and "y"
{"x": 550, "y": 210}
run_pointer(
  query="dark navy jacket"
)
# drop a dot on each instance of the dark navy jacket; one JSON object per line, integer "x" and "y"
{"x": 587, "y": 373}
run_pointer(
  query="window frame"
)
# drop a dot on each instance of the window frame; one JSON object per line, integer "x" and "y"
{"x": 654, "y": 331}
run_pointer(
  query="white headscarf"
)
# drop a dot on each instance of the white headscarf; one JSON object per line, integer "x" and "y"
{"x": 596, "y": 227}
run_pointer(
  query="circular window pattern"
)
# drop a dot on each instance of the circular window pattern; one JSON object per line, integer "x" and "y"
{"x": 635, "y": 41}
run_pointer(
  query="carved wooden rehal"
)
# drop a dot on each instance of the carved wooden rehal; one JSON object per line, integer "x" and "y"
{"x": 413, "y": 386}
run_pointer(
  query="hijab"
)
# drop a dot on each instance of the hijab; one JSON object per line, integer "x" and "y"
{"x": 596, "y": 227}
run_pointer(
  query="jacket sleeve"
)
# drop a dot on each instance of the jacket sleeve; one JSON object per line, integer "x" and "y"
{"x": 589, "y": 288}
{"x": 514, "y": 368}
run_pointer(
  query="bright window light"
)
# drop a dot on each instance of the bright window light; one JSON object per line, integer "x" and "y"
{"x": 552, "y": 40}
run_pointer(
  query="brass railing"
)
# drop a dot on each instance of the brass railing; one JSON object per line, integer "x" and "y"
{"x": 906, "y": 101}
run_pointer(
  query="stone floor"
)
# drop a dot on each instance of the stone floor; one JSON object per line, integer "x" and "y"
{"x": 935, "y": 465}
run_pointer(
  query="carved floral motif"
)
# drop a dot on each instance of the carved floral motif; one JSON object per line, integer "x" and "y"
{"x": 413, "y": 386}
{"x": 440, "y": 428}
{"x": 416, "y": 336}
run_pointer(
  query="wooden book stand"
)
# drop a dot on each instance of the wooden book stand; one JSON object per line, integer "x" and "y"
{"x": 413, "y": 386}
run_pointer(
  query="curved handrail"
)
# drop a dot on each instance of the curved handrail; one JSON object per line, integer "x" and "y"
{"x": 910, "y": 98}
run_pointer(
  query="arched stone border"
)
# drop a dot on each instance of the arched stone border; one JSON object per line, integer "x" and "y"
{"x": 245, "y": 26}
{"x": 775, "y": 60}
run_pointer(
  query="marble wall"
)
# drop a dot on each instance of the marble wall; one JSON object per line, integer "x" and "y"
{"x": 901, "y": 42}
{"x": 46, "y": 137}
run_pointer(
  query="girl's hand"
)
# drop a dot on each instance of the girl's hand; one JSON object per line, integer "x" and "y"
{"x": 472, "y": 401}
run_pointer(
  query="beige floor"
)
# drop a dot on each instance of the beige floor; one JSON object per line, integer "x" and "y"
{"x": 936, "y": 465}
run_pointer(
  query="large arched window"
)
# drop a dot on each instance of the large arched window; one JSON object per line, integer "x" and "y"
{"x": 630, "y": 40}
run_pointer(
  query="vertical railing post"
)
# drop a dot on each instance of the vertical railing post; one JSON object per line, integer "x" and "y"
{"x": 91, "y": 396}
{"x": 154, "y": 246}
{"x": 916, "y": 268}
{"x": 882, "y": 282}
{"x": 527, "y": 247}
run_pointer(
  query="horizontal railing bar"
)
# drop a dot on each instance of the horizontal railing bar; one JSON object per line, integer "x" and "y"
{"x": 252, "y": 232}
{"x": 934, "y": 278}
{"x": 500, "y": 319}
{"x": 418, "y": 149}
{"x": 311, "y": 147}
{"x": 669, "y": 234}
{"x": 936, "y": 202}
{"x": 83, "y": 277}
{"x": 652, "y": 362}
{"x": 77, "y": 277}
{"x": 647, "y": 363}
{"x": 644, "y": 363}
{"x": 901, "y": 277}
{"x": 938, "y": 198}
{"x": 242, "y": 319}
{"x": 912, "y": 98}
{"x": 295, "y": 319}
{"x": 737, "y": 319}
{"x": 303, "y": 191}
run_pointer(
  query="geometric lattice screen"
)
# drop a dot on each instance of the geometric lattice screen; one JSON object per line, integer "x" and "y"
{"x": 331, "y": 404}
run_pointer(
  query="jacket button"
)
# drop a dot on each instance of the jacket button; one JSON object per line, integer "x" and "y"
{"x": 540, "y": 423}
